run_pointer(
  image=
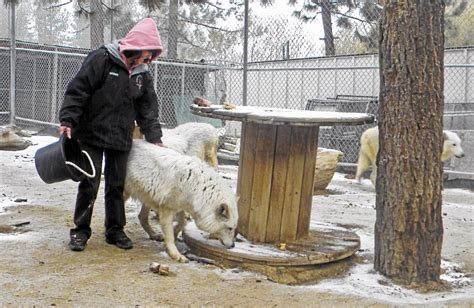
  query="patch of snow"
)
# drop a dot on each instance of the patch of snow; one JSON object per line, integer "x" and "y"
{"x": 364, "y": 281}
{"x": 322, "y": 226}
{"x": 452, "y": 274}
{"x": 19, "y": 236}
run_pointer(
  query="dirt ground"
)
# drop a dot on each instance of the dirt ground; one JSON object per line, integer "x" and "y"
{"x": 37, "y": 268}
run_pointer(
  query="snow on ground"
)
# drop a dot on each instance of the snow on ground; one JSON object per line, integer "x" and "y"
{"x": 20, "y": 158}
{"x": 347, "y": 204}
{"x": 362, "y": 280}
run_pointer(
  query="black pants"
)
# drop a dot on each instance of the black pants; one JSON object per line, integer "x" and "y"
{"x": 114, "y": 172}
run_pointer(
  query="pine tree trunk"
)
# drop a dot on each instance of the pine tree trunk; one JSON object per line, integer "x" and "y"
{"x": 97, "y": 24}
{"x": 327, "y": 26}
{"x": 409, "y": 226}
{"x": 173, "y": 33}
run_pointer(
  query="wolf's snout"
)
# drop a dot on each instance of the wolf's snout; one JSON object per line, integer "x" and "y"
{"x": 460, "y": 155}
{"x": 228, "y": 245}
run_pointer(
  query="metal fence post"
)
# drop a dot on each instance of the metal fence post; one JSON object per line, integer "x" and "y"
{"x": 112, "y": 4}
{"x": 467, "y": 88}
{"x": 246, "y": 38}
{"x": 12, "y": 63}
{"x": 54, "y": 87}
{"x": 183, "y": 79}
{"x": 287, "y": 85}
{"x": 354, "y": 76}
{"x": 335, "y": 78}
{"x": 318, "y": 78}
{"x": 259, "y": 80}
{"x": 302, "y": 103}
{"x": 373, "y": 75}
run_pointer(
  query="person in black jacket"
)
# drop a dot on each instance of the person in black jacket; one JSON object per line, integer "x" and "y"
{"x": 111, "y": 91}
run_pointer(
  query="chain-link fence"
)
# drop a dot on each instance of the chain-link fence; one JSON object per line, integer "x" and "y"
{"x": 43, "y": 72}
{"x": 351, "y": 84}
{"x": 300, "y": 56}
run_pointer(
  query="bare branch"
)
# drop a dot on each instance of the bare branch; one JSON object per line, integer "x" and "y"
{"x": 57, "y": 5}
{"x": 187, "y": 41}
{"x": 186, "y": 19}
{"x": 213, "y": 5}
{"x": 81, "y": 9}
{"x": 80, "y": 30}
{"x": 106, "y": 6}
{"x": 351, "y": 17}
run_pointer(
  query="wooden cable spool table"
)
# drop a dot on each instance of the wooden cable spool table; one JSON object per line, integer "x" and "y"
{"x": 275, "y": 189}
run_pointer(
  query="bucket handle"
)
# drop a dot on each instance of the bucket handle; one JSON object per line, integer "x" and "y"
{"x": 79, "y": 168}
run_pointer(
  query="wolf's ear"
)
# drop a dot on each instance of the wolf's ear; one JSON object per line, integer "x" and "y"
{"x": 445, "y": 136}
{"x": 223, "y": 211}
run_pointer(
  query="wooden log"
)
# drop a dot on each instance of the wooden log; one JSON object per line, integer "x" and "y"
{"x": 11, "y": 141}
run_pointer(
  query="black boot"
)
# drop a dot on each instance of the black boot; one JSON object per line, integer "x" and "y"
{"x": 118, "y": 238}
{"x": 78, "y": 241}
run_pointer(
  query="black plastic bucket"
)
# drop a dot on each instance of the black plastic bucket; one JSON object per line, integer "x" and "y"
{"x": 63, "y": 160}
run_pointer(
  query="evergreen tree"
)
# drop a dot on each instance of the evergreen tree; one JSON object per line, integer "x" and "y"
{"x": 409, "y": 222}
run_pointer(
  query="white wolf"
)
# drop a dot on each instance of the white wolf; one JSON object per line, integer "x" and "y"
{"x": 195, "y": 139}
{"x": 170, "y": 183}
{"x": 192, "y": 139}
{"x": 369, "y": 147}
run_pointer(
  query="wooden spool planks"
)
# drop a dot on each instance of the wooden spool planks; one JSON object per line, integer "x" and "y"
{"x": 275, "y": 181}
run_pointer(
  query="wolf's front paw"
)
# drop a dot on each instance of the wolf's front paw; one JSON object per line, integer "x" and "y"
{"x": 180, "y": 258}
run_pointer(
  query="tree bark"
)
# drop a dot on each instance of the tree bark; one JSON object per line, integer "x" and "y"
{"x": 96, "y": 24}
{"x": 173, "y": 33}
{"x": 409, "y": 226}
{"x": 327, "y": 26}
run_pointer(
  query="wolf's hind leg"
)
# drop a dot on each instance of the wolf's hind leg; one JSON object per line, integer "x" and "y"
{"x": 362, "y": 165}
{"x": 373, "y": 175}
{"x": 126, "y": 195}
{"x": 211, "y": 155}
{"x": 182, "y": 221}
{"x": 144, "y": 221}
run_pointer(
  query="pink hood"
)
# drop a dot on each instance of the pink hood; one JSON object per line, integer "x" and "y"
{"x": 143, "y": 36}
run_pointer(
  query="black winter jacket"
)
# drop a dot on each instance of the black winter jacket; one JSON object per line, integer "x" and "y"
{"x": 103, "y": 100}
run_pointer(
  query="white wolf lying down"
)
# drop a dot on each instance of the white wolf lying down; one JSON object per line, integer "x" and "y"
{"x": 369, "y": 147}
{"x": 169, "y": 183}
{"x": 192, "y": 139}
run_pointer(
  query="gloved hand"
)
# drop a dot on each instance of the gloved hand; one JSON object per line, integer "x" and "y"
{"x": 65, "y": 130}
